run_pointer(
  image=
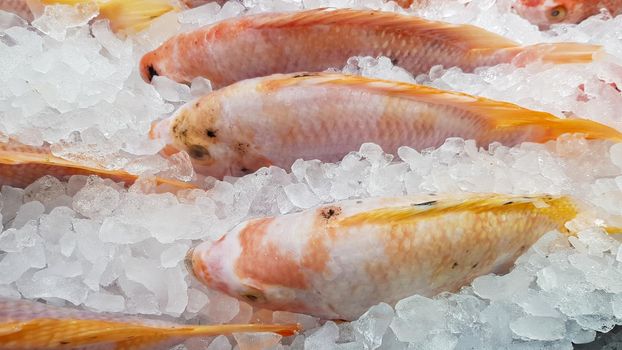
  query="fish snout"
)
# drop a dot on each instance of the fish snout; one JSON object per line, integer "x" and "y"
{"x": 148, "y": 68}
{"x": 197, "y": 264}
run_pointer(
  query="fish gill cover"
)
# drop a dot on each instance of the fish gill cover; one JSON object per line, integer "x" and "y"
{"x": 92, "y": 243}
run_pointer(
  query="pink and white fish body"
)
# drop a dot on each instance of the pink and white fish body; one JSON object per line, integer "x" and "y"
{"x": 337, "y": 260}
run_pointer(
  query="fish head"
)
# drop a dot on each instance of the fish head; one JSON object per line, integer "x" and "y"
{"x": 215, "y": 146}
{"x": 544, "y": 13}
{"x": 245, "y": 266}
{"x": 150, "y": 66}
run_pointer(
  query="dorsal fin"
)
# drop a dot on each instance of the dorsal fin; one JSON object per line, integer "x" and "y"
{"x": 554, "y": 206}
{"x": 500, "y": 114}
{"x": 458, "y": 34}
{"x": 14, "y": 153}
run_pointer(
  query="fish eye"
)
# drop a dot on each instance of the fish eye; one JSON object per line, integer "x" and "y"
{"x": 253, "y": 295}
{"x": 558, "y": 13}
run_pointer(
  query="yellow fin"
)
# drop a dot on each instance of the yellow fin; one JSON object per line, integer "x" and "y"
{"x": 74, "y": 333}
{"x": 124, "y": 15}
{"x": 613, "y": 230}
{"x": 458, "y": 34}
{"x": 558, "y": 208}
{"x": 43, "y": 162}
{"x": 499, "y": 114}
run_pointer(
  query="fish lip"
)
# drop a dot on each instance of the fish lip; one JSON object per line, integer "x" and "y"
{"x": 147, "y": 69}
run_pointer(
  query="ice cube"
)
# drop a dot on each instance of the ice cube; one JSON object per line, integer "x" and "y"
{"x": 256, "y": 341}
{"x": 147, "y": 273}
{"x": 307, "y": 322}
{"x": 104, "y": 302}
{"x": 418, "y": 316}
{"x": 28, "y": 212}
{"x": 502, "y": 287}
{"x": 300, "y": 195}
{"x": 221, "y": 308}
{"x": 12, "y": 199}
{"x": 323, "y": 338}
{"x": 177, "y": 291}
{"x": 220, "y": 343}
{"x": 200, "y": 86}
{"x": 9, "y": 20}
{"x": 45, "y": 190}
{"x": 370, "y": 328}
{"x": 115, "y": 47}
{"x": 9, "y": 291}
{"x": 539, "y": 328}
{"x": 615, "y": 152}
{"x": 244, "y": 315}
{"x": 200, "y": 15}
{"x": 171, "y": 90}
{"x": 96, "y": 200}
{"x": 50, "y": 286}
{"x": 375, "y": 155}
{"x": 114, "y": 230}
{"x": 196, "y": 300}
{"x": 56, "y": 19}
{"x": 173, "y": 255}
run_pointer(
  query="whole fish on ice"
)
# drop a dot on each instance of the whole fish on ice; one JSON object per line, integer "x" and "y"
{"x": 278, "y": 119}
{"x": 315, "y": 40}
{"x": 21, "y": 165}
{"x": 28, "y": 325}
{"x": 337, "y": 260}
{"x": 547, "y": 12}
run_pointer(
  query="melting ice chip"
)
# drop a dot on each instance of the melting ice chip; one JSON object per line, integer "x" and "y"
{"x": 539, "y": 328}
{"x": 56, "y": 19}
{"x": 8, "y": 20}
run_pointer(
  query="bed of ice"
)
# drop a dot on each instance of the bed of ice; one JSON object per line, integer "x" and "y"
{"x": 94, "y": 244}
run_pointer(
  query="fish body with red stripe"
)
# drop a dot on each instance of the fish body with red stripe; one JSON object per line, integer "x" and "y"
{"x": 338, "y": 260}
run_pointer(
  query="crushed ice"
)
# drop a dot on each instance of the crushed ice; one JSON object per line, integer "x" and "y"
{"x": 93, "y": 243}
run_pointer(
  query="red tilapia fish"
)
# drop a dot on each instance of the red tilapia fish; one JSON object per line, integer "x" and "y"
{"x": 338, "y": 260}
{"x": 278, "y": 119}
{"x": 315, "y": 40}
{"x": 21, "y": 165}
{"x": 28, "y": 325}
{"x": 547, "y": 12}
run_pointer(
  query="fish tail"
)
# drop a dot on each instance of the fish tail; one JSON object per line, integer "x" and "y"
{"x": 556, "y": 53}
{"x": 555, "y": 127}
{"x": 126, "y": 15}
{"x": 590, "y": 129}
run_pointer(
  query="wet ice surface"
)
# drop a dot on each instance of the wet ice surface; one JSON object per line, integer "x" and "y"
{"x": 92, "y": 243}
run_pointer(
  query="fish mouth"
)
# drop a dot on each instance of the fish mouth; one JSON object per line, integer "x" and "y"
{"x": 196, "y": 265}
{"x": 147, "y": 69}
